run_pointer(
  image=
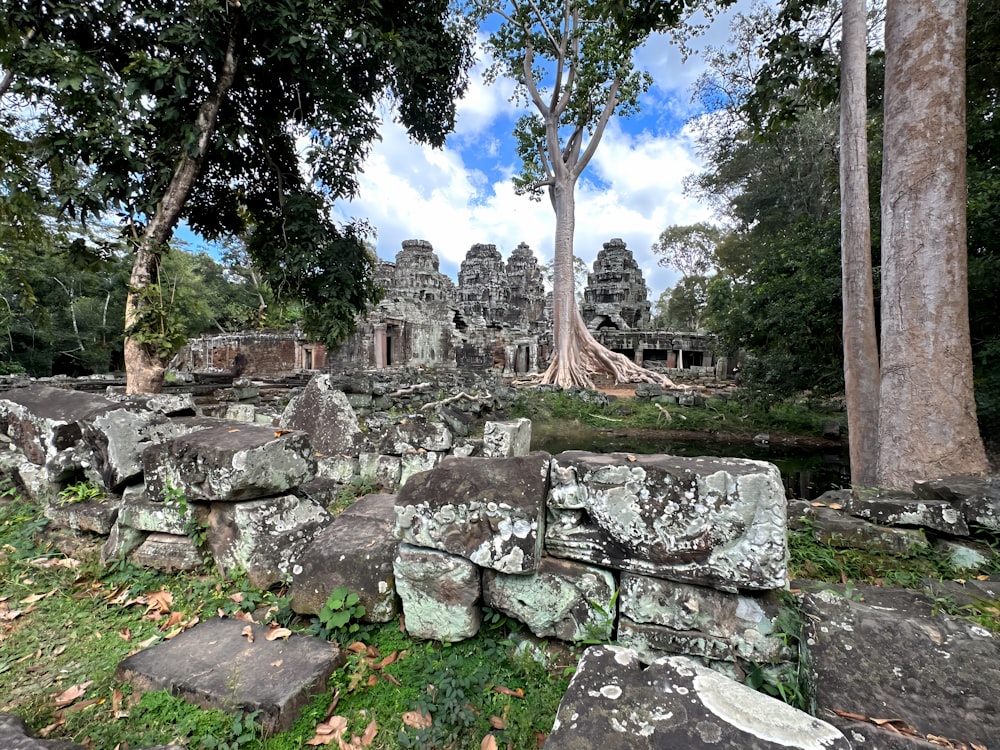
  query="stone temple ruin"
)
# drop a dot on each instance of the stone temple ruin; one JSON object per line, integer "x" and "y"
{"x": 498, "y": 318}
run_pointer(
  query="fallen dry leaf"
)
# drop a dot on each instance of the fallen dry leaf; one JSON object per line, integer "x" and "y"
{"x": 83, "y": 705}
{"x": 497, "y": 723}
{"x": 357, "y": 647}
{"x": 372, "y": 680}
{"x": 518, "y": 693}
{"x": 175, "y": 619}
{"x": 629, "y": 458}
{"x": 279, "y": 433}
{"x": 369, "y": 736}
{"x": 47, "y": 730}
{"x": 58, "y": 650}
{"x": 117, "y": 701}
{"x": 31, "y": 599}
{"x": 417, "y": 720}
{"x": 248, "y": 632}
{"x": 9, "y": 615}
{"x": 392, "y": 679}
{"x": 158, "y": 604}
{"x": 277, "y": 663}
{"x": 329, "y": 731}
{"x": 147, "y": 643}
{"x": 386, "y": 661}
{"x": 244, "y": 616}
{"x": 489, "y": 743}
{"x": 54, "y": 562}
{"x": 275, "y": 633}
{"x": 69, "y": 695}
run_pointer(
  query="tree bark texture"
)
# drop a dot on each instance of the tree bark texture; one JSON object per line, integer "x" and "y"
{"x": 144, "y": 369}
{"x": 927, "y": 413}
{"x": 861, "y": 357}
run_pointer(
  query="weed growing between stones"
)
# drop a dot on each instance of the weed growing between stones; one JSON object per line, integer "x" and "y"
{"x": 357, "y": 488}
{"x": 788, "y": 682}
{"x": 340, "y": 616}
{"x": 80, "y": 492}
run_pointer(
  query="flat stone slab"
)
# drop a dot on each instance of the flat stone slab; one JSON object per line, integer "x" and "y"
{"x": 978, "y": 497}
{"x": 41, "y": 420}
{"x": 229, "y": 462}
{"x": 612, "y": 703}
{"x": 488, "y": 510}
{"x": 882, "y": 653}
{"x": 897, "y": 508}
{"x": 836, "y": 528}
{"x": 711, "y": 521}
{"x": 214, "y": 666}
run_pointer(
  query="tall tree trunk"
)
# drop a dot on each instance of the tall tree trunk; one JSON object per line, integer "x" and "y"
{"x": 927, "y": 413}
{"x": 144, "y": 368}
{"x": 861, "y": 366}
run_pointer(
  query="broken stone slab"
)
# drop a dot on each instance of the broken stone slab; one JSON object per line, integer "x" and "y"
{"x": 977, "y": 497}
{"x": 836, "y": 528}
{"x": 414, "y": 463}
{"x": 264, "y": 537}
{"x": 338, "y": 468}
{"x": 660, "y": 617}
{"x": 899, "y": 508}
{"x": 139, "y": 512}
{"x": 382, "y": 471}
{"x": 612, "y": 703}
{"x": 167, "y": 552}
{"x": 505, "y": 439}
{"x": 93, "y": 516}
{"x": 440, "y": 594}
{"x": 42, "y": 421}
{"x": 414, "y": 433}
{"x": 964, "y": 593}
{"x": 884, "y": 653}
{"x": 562, "y": 599}
{"x": 964, "y": 554}
{"x": 120, "y": 542}
{"x": 712, "y": 521}
{"x": 487, "y": 510}
{"x": 226, "y": 463}
{"x": 323, "y": 412}
{"x": 171, "y": 404}
{"x": 355, "y": 552}
{"x": 214, "y": 665}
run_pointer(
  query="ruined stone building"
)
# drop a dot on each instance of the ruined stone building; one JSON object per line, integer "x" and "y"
{"x": 498, "y": 316}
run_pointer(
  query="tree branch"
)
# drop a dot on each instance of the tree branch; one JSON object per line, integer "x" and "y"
{"x": 609, "y": 108}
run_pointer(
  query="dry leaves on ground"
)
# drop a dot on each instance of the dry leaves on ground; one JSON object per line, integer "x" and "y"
{"x": 898, "y": 726}
{"x": 417, "y": 720}
{"x": 72, "y": 694}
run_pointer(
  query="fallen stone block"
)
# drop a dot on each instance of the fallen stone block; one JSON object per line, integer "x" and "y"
{"x": 440, "y": 594}
{"x": 883, "y": 653}
{"x": 229, "y": 463}
{"x": 414, "y": 463}
{"x": 263, "y": 537}
{"x": 568, "y": 600}
{"x": 139, "y": 512}
{"x": 93, "y": 516}
{"x": 42, "y": 421}
{"x": 214, "y": 665}
{"x": 964, "y": 554}
{"x": 660, "y": 617}
{"x": 977, "y": 497}
{"x": 506, "y": 439}
{"x": 120, "y": 542}
{"x": 487, "y": 510}
{"x": 835, "y": 528}
{"x": 324, "y": 413}
{"x": 612, "y": 703}
{"x": 712, "y": 521}
{"x": 415, "y": 432}
{"x": 355, "y": 552}
{"x": 897, "y": 508}
{"x": 167, "y": 552}
{"x": 381, "y": 471}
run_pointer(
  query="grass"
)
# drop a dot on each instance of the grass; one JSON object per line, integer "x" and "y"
{"x": 66, "y": 622}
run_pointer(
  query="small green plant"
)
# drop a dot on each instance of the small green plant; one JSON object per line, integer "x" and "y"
{"x": 339, "y": 615}
{"x": 601, "y": 630}
{"x": 196, "y": 528}
{"x": 787, "y": 681}
{"x": 245, "y": 731}
{"x": 80, "y": 492}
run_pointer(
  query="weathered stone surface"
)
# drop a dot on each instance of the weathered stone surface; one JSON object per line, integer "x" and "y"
{"x": 718, "y": 522}
{"x": 440, "y": 594}
{"x": 488, "y": 510}
{"x": 975, "y": 592}
{"x": 214, "y": 665}
{"x": 227, "y": 463}
{"x": 355, "y": 552}
{"x": 338, "y": 468}
{"x": 139, "y": 512}
{"x": 483, "y": 289}
{"x": 526, "y": 308}
{"x": 835, "y": 528}
{"x": 95, "y": 517}
{"x": 614, "y": 704}
{"x": 120, "y": 542}
{"x": 882, "y": 653}
{"x": 563, "y": 599}
{"x": 167, "y": 552}
{"x": 964, "y": 554}
{"x": 414, "y": 463}
{"x": 264, "y": 537}
{"x": 42, "y": 421}
{"x": 15, "y": 735}
{"x": 616, "y": 293}
{"x": 506, "y": 439}
{"x": 325, "y": 414}
{"x": 414, "y": 433}
{"x": 898, "y": 508}
{"x": 382, "y": 471}
{"x": 39, "y": 483}
{"x": 660, "y": 617}
{"x": 978, "y": 497}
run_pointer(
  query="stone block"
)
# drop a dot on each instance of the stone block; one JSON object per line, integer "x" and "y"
{"x": 836, "y": 528}
{"x": 964, "y": 554}
{"x": 15, "y": 735}
{"x": 338, "y": 468}
{"x": 139, "y": 512}
{"x": 711, "y": 521}
{"x": 562, "y": 599}
{"x": 95, "y": 517}
{"x": 487, "y": 510}
{"x": 226, "y": 463}
{"x": 213, "y": 665}
{"x": 977, "y": 497}
{"x": 264, "y": 537}
{"x": 355, "y": 552}
{"x": 42, "y": 421}
{"x": 414, "y": 463}
{"x": 325, "y": 414}
{"x": 120, "y": 542}
{"x": 936, "y": 673}
{"x": 241, "y": 413}
{"x": 612, "y": 703}
{"x": 898, "y": 508}
{"x": 440, "y": 594}
{"x": 413, "y": 433}
{"x": 506, "y": 439}
{"x": 382, "y": 471}
{"x": 660, "y": 617}
{"x": 167, "y": 552}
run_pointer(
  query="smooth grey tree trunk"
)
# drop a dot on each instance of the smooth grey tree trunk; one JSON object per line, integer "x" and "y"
{"x": 927, "y": 413}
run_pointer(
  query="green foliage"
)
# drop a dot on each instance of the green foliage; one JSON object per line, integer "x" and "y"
{"x": 788, "y": 682}
{"x": 340, "y": 615}
{"x": 357, "y": 488}
{"x": 80, "y": 492}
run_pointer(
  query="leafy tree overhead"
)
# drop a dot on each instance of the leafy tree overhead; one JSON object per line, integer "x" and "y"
{"x": 688, "y": 249}
{"x": 573, "y": 63}
{"x": 231, "y": 115}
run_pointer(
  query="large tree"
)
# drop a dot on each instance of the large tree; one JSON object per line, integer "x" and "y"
{"x": 573, "y": 63}
{"x": 230, "y": 114}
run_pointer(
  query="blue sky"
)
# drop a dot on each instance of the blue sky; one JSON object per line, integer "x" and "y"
{"x": 462, "y": 194}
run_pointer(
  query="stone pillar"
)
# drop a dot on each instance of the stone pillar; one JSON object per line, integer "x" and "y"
{"x": 639, "y": 354}
{"x": 379, "y": 346}
{"x": 672, "y": 359}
